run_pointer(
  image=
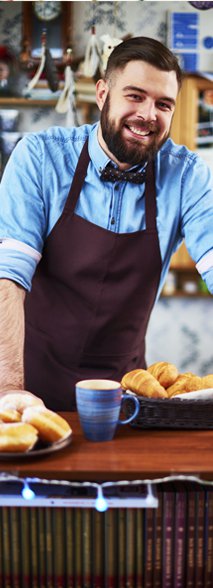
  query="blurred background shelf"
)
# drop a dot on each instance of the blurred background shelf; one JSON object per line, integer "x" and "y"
{"x": 183, "y": 279}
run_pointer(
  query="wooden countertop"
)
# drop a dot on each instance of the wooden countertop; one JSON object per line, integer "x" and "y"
{"x": 132, "y": 454}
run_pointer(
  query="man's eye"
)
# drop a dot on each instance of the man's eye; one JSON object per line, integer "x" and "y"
{"x": 164, "y": 105}
{"x": 134, "y": 97}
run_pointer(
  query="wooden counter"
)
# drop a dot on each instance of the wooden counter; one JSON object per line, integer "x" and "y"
{"x": 133, "y": 454}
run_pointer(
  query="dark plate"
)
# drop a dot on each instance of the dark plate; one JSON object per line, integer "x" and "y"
{"x": 39, "y": 450}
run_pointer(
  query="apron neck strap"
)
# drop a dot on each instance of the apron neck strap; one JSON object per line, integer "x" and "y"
{"x": 150, "y": 197}
{"x": 78, "y": 179}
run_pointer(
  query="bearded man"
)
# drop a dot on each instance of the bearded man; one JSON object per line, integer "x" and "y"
{"x": 89, "y": 219}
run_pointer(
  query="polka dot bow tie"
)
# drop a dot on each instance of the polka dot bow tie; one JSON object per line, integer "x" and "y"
{"x": 112, "y": 174}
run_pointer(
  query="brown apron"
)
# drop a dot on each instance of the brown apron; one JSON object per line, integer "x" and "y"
{"x": 91, "y": 299}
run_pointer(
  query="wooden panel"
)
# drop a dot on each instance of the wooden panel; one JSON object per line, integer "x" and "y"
{"x": 181, "y": 258}
{"x": 183, "y": 129}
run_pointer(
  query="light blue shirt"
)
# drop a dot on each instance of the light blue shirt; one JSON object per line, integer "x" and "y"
{"x": 36, "y": 183}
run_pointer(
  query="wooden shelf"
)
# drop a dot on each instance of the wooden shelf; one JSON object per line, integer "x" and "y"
{"x": 183, "y": 268}
{"x": 181, "y": 260}
{"x": 86, "y": 104}
{"x": 27, "y": 102}
{"x": 35, "y": 102}
{"x": 183, "y": 272}
{"x": 182, "y": 294}
{"x": 185, "y": 119}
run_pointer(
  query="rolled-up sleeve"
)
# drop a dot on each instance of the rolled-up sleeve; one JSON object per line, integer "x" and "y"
{"x": 197, "y": 217}
{"x": 22, "y": 213}
{"x": 205, "y": 268}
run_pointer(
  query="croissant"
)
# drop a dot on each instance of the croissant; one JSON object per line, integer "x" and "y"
{"x": 186, "y": 382}
{"x": 202, "y": 383}
{"x": 143, "y": 383}
{"x": 207, "y": 381}
{"x": 166, "y": 373}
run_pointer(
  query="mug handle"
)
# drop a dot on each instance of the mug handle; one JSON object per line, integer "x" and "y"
{"x": 134, "y": 399}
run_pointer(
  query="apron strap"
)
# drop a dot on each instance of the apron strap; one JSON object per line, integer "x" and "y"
{"x": 150, "y": 197}
{"x": 78, "y": 180}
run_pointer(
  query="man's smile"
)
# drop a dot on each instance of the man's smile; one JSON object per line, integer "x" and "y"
{"x": 137, "y": 131}
{"x": 140, "y": 131}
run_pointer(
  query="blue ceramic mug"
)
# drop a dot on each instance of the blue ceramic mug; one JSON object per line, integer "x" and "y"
{"x": 98, "y": 404}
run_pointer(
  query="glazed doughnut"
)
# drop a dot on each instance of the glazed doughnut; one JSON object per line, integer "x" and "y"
{"x": 50, "y": 425}
{"x": 17, "y": 437}
{"x": 19, "y": 400}
{"x": 8, "y": 415}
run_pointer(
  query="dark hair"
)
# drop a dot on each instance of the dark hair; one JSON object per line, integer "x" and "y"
{"x": 143, "y": 49}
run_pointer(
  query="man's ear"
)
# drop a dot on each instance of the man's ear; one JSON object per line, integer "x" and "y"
{"x": 102, "y": 90}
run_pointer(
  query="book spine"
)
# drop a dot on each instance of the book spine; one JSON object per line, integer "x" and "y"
{"x": 78, "y": 547}
{"x": 209, "y": 562}
{"x": 98, "y": 531}
{"x": 205, "y": 536}
{"x": 148, "y": 547}
{"x": 50, "y": 557}
{"x": 111, "y": 548}
{"x": 86, "y": 547}
{"x": 130, "y": 547}
{"x": 121, "y": 535}
{"x": 23, "y": 538}
{"x": 6, "y": 549}
{"x": 137, "y": 547}
{"x": 157, "y": 542}
{"x": 199, "y": 539}
{"x": 15, "y": 569}
{"x": 168, "y": 529}
{"x": 58, "y": 550}
{"x": 39, "y": 547}
{"x": 190, "y": 540}
{"x": 70, "y": 550}
{"x": 1, "y": 549}
{"x": 180, "y": 535}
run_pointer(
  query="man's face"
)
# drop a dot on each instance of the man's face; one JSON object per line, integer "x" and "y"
{"x": 137, "y": 105}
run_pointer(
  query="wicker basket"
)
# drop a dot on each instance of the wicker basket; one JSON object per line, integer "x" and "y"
{"x": 171, "y": 414}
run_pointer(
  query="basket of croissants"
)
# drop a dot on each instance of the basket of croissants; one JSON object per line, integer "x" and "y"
{"x": 169, "y": 399}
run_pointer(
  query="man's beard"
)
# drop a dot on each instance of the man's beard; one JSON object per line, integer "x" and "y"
{"x": 131, "y": 151}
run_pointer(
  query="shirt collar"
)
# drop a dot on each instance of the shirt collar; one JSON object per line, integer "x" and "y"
{"x": 98, "y": 157}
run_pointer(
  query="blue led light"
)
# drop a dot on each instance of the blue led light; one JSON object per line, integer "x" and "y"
{"x": 101, "y": 504}
{"x": 27, "y": 493}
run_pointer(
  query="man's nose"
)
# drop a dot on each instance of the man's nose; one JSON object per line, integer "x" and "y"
{"x": 147, "y": 110}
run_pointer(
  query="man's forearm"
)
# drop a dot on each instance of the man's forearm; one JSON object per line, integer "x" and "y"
{"x": 11, "y": 335}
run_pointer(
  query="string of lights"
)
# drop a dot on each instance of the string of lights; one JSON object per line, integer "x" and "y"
{"x": 101, "y": 503}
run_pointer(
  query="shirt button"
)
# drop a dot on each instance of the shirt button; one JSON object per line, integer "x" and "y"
{"x": 116, "y": 186}
{"x": 113, "y": 221}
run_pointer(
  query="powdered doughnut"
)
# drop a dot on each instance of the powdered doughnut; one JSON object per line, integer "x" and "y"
{"x": 17, "y": 400}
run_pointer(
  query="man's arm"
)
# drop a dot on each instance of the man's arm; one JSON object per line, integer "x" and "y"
{"x": 11, "y": 336}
